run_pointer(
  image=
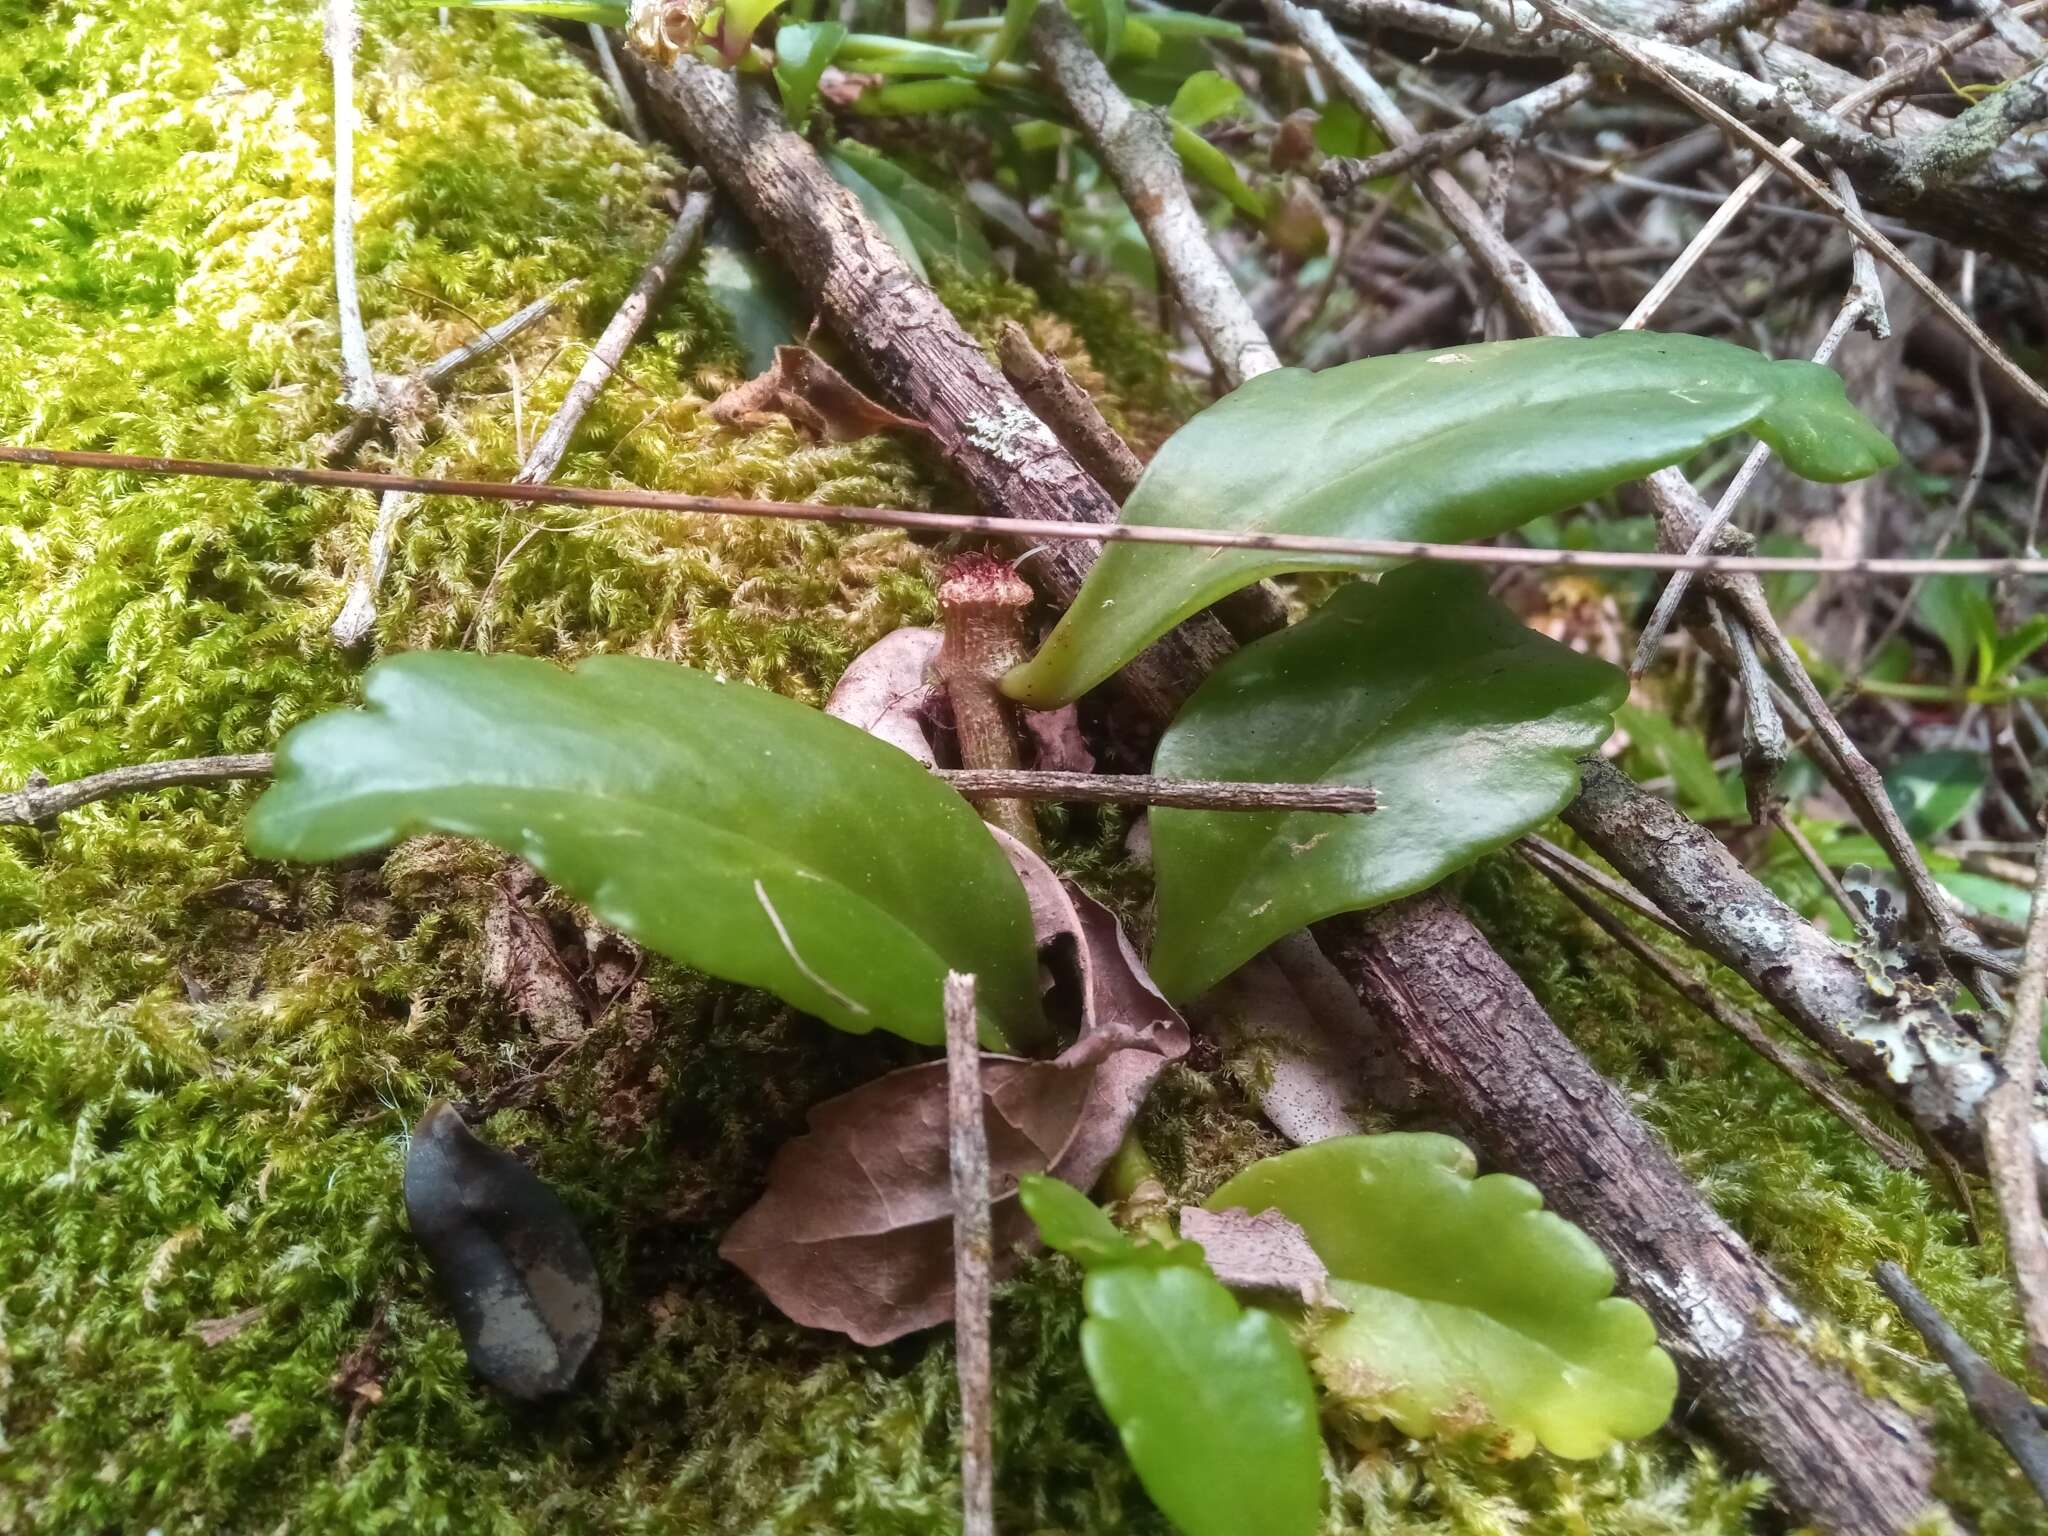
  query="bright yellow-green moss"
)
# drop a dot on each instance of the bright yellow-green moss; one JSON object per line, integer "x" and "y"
{"x": 207, "y": 1066}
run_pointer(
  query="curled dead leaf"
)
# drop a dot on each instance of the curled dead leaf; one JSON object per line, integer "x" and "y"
{"x": 854, "y": 1232}
{"x": 508, "y": 1255}
{"x": 812, "y": 395}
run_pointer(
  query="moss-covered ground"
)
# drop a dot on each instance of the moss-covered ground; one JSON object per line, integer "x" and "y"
{"x": 207, "y": 1066}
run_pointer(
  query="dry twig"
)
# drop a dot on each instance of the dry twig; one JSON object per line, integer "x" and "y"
{"x": 973, "y": 1255}
{"x": 2012, "y": 1134}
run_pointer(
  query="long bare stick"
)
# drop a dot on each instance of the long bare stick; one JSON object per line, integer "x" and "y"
{"x": 619, "y": 331}
{"x": 39, "y": 800}
{"x": 2011, "y": 1135}
{"x": 1031, "y": 529}
{"x": 358, "y": 374}
{"x": 1134, "y": 145}
{"x": 1999, "y": 1405}
{"x": 973, "y": 1257}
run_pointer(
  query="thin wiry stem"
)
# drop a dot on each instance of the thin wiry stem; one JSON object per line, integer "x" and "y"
{"x": 1030, "y": 530}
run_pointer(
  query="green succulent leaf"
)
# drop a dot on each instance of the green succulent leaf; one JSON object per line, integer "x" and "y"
{"x": 1934, "y": 790}
{"x": 1958, "y": 610}
{"x": 1463, "y": 1293}
{"x": 1213, "y": 1403}
{"x": 1072, "y": 1223}
{"x": 721, "y": 825}
{"x": 1103, "y": 21}
{"x": 925, "y": 225}
{"x": 803, "y": 50}
{"x": 1205, "y": 96}
{"x": 1445, "y": 446}
{"x": 742, "y": 19}
{"x": 1469, "y": 724}
{"x": 1215, "y": 1407}
{"x": 877, "y": 53}
{"x": 1208, "y": 164}
{"x": 1017, "y": 16}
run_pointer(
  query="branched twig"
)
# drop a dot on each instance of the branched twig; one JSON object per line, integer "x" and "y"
{"x": 2010, "y": 1132}
{"x": 1509, "y": 123}
{"x": 973, "y": 1257}
{"x": 1999, "y": 1406}
{"x": 1879, "y": 243}
{"x": 619, "y": 331}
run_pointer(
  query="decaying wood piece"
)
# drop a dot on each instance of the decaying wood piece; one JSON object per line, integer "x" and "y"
{"x": 1135, "y": 147}
{"x": 908, "y": 343}
{"x": 1891, "y": 1032}
{"x": 1839, "y": 1459}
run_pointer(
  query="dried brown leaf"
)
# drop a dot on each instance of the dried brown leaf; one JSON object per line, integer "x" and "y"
{"x": 812, "y": 395}
{"x": 854, "y": 1232}
{"x": 889, "y": 692}
{"x": 1266, "y": 1252}
{"x": 524, "y": 965}
{"x": 216, "y": 1331}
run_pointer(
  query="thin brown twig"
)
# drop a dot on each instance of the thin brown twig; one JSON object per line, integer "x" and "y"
{"x": 973, "y": 1257}
{"x": 1027, "y": 530}
{"x": 1998, "y": 1404}
{"x": 39, "y": 800}
{"x": 1736, "y": 1021}
{"x": 1542, "y": 849}
{"x": 2010, "y": 1134}
{"x": 619, "y": 331}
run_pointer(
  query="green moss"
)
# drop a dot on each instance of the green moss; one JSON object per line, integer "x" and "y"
{"x": 207, "y": 1066}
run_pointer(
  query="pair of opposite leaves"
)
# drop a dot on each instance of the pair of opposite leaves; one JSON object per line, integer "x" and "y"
{"x": 746, "y": 835}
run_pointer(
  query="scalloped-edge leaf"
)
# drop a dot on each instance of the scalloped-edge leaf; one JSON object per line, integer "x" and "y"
{"x": 1470, "y": 1305}
{"x": 1420, "y": 685}
{"x": 721, "y": 825}
{"x": 1446, "y": 446}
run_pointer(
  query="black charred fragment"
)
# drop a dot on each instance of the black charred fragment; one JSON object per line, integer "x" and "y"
{"x": 510, "y": 1260}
